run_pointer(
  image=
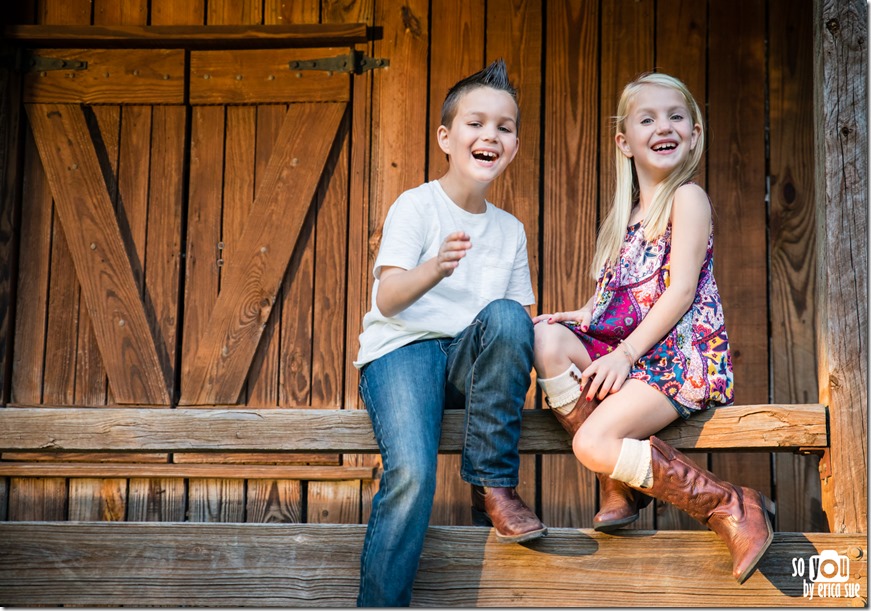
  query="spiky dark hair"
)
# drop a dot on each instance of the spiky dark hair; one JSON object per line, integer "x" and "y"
{"x": 495, "y": 76}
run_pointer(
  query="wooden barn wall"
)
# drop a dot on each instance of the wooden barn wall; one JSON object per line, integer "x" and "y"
{"x": 748, "y": 63}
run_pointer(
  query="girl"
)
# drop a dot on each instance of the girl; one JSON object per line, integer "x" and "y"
{"x": 651, "y": 343}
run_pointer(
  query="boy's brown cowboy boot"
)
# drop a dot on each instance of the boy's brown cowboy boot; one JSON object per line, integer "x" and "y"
{"x": 740, "y": 516}
{"x": 505, "y": 511}
{"x": 619, "y": 504}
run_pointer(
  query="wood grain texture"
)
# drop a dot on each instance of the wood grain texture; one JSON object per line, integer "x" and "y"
{"x": 98, "y": 252}
{"x": 218, "y": 370}
{"x": 112, "y": 76}
{"x": 841, "y": 103}
{"x": 229, "y": 471}
{"x": 313, "y": 565}
{"x": 168, "y": 32}
{"x": 760, "y": 427}
{"x": 260, "y": 76}
{"x": 792, "y": 247}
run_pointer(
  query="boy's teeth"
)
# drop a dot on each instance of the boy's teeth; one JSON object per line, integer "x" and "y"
{"x": 484, "y": 155}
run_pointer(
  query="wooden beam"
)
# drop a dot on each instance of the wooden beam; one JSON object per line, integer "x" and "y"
{"x": 225, "y": 471}
{"x": 758, "y": 427}
{"x": 841, "y": 108}
{"x": 317, "y": 565}
{"x": 189, "y": 37}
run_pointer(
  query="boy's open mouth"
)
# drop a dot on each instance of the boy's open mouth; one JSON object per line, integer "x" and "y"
{"x": 485, "y": 155}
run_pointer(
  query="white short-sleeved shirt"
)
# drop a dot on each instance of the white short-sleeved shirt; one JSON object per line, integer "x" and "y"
{"x": 495, "y": 267}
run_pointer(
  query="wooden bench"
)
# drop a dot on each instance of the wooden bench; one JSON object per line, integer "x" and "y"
{"x": 263, "y": 565}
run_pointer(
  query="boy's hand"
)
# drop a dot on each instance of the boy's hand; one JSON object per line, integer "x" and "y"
{"x": 451, "y": 251}
{"x": 582, "y": 317}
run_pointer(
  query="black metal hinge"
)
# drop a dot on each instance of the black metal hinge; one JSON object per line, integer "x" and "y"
{"x": 355, "y": 62}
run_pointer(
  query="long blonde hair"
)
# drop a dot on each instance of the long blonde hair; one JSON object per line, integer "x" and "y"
{"x": 613, "y": 228}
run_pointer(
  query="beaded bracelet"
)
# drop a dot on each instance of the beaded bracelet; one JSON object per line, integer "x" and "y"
{"x": 629, "y": 351}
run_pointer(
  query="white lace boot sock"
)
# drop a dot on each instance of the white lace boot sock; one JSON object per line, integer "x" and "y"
{"x": 634, "y": 464}
{"x": 562, "y": 391}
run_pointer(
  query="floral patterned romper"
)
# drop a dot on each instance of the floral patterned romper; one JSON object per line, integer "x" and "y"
{"x": 692, "y": 364}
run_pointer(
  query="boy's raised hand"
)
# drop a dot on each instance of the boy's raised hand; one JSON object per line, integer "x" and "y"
{"x": 451, "y": 251}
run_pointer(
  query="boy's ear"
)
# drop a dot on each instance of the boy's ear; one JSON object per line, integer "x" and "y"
{"x": 442, "y": 137}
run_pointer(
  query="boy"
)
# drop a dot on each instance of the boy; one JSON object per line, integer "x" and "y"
{"x": 449, "y": 327}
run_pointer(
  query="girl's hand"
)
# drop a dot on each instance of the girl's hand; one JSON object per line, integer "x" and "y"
{"x": 606, "y": 374}
{"x": 582, "y": 317}
{"x": 451, "y": 251}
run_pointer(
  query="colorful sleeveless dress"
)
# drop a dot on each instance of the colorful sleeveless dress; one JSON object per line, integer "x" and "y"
{"x": 692, "y": 364}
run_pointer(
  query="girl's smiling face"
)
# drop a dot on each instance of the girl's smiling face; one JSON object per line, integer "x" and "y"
{"x": 658, "y": 132}
{"x": 482, "y": 139}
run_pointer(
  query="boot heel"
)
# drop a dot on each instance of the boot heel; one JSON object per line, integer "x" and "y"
{"x": 480, "y": 518}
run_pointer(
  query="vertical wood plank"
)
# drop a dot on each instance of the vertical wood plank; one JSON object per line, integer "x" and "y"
{"x": 37, "y": 499}
{"x": 98, "y": 500}
{"x": 274, "y": 501}
{"x": 11, "y": 166}
{"x": 163, "y": 248}
{"x": 33, "y": 273}
{"x": 683, "y": 57}
{"x": 173, "y": 12}
{"x": 514, "y": 32}
{"x": 736, "y": 184}
{"x": 840, "y": 34}
{"x": 627, "y": 43}
{"x": 358, "y": 270}
{"x": 216, "y": 500}
{"x": 792, "y": 240}
{"x": 333, "y": 502}
{"x": 569, "y": 215}
{"x": 156, "y": 500}
{"x": 456, "y": 51}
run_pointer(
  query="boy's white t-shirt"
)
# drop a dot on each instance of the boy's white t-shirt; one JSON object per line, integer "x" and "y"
{"x": 495, "y": 267}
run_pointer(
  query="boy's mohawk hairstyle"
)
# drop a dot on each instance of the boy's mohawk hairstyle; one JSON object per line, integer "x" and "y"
{"x": 494, "y": 76}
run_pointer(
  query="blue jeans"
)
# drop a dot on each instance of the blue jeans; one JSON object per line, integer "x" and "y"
{"x": 484, "y": 369}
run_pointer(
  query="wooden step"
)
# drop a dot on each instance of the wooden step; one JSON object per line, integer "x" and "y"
{"x": 283, "y": 565}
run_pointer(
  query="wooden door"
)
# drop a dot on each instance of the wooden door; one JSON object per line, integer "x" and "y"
{"x": 189, "y": 213}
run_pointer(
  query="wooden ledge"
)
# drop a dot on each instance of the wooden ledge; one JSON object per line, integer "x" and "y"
{"x": 320, "y": 473}
{"x": 142, "y": 429}
{"x": 189, "y": 37}
{"x": 317, "y": 565}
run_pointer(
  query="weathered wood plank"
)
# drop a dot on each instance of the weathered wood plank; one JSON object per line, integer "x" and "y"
{"x": 792, "y": 247}
{"x": 98, "y": 250}
{"x": 737, "y": 187}
{"x": 264, "y": 76}
{"x": 223, "y": 358}
{"x": 841, "y": 116}
{"x": 229, "y": 471}
{"x": 188, "y": 36}
{"x": 269, "y": 565}
{"x": 458, "y": 33}
{"x": 112, "y": 76}
{"x": 760, "y": 427}
{"x": 569, "y": 213}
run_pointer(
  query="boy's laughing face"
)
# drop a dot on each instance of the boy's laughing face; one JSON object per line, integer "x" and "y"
{"x": 482, "y": 139}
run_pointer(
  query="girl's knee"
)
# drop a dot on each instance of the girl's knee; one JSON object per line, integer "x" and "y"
{"x": 589, "y": 446}
{"x": 549, "y": 348}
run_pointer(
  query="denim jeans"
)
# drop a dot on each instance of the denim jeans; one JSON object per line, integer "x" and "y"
{"x": 486, "y": 370}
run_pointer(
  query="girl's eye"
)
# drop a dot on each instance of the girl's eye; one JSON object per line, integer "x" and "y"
{"x": 646, "y": 121}
{"x": 507, "y": 130}
{"x": 474, "y": 124}
{"x": 677, "y": 117}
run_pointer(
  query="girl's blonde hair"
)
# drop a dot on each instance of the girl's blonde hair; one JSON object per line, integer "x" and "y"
{"x": 613, "y": 228}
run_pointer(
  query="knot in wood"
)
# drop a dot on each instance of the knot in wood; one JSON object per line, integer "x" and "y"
{"x": 833, "y": 26}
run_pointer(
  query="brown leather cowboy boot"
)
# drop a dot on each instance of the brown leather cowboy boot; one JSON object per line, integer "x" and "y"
{"x": 740, "y": 516}
{"x": 618, "y": 503}
{"x": 505, "y": 511}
